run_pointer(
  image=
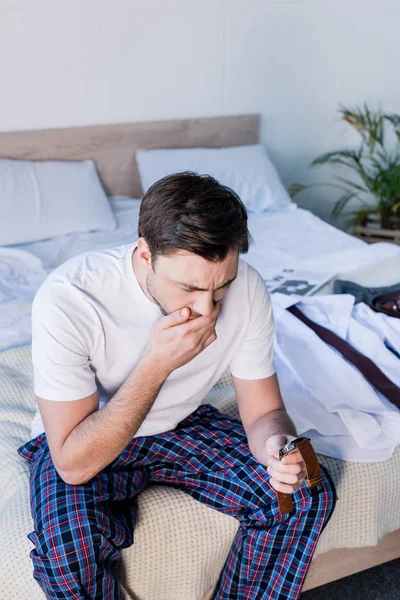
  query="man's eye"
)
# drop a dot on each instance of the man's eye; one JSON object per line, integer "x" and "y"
{"x": 221, "y": 290}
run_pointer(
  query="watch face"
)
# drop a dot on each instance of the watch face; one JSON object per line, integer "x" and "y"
{"x": 299, "y": 439}
{"x": 290, "y": 446}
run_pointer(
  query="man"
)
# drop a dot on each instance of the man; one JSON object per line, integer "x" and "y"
{"x": 126, "y": 344}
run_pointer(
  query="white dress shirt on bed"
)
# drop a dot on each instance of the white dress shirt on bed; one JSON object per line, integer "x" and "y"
{"x": 327, "y": 397}
{"x": 91, "y": 321}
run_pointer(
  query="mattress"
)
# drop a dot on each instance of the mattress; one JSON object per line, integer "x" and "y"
{"x": 180, "y": 545}
{"x": 289, "y": 238}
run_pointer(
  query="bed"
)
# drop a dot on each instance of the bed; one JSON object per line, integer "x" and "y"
{"x": 180, "y": 545}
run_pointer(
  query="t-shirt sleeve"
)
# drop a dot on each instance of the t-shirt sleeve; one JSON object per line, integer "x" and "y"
{"x": 255, "y": 357}
{"x": 60, "y": 352}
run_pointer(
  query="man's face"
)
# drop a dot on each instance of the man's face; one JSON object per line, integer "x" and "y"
{"x": 184, "y": 279}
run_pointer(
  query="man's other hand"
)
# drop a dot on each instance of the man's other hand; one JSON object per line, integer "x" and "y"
{"x": 289, "y": 473}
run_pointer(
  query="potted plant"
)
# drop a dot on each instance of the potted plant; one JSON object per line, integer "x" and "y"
{"x": 377, "y": 170}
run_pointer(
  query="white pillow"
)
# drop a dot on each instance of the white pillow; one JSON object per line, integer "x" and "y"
{"x": 44, "y": 199}
{"x": 245, "y": 169}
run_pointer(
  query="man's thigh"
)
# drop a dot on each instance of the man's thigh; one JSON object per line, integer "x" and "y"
{"x": 105, "y": 504}
{"x": 207, "y": 455}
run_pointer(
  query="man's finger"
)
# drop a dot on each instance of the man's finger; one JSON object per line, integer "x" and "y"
{"x": 277, "y": 465}
{"x": 204, "y": 322}
{"x": 200, "y": 326}
{"x": 175, "y": 318}
{"x": 292, "y": 458}
{"x": 283, "y": 487}
{"x": 287, "y": 477}
{"x": 182, "y": 315}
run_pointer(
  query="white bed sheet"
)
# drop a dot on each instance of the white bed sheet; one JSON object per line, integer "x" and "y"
{"x": 287, "y": 238}
{"x": 24, "y": 267}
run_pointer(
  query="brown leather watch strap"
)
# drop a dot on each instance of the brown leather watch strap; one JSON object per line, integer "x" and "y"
{"x": 313, "y": 474}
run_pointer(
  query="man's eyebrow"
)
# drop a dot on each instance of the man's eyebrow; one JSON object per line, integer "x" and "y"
{"x": 194, "y": 288}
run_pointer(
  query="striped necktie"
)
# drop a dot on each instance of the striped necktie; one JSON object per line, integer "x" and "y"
{"x": 364, "y": 364}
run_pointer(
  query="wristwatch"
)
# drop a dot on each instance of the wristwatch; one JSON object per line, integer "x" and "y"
{"x": 313, "y": 472}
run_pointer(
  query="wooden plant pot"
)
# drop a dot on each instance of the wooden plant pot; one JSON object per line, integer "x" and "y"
{"x": 375, "y": 234}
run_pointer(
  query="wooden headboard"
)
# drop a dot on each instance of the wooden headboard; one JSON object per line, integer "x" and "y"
{"x": 113, "y": 147}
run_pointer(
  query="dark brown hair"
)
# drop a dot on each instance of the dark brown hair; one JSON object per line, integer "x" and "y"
{"x": 193, "y": 212}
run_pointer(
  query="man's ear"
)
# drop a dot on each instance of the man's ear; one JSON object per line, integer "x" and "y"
{"x": 144, "y": 253}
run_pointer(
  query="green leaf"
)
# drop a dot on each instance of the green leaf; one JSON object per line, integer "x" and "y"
{"x": 354, "y": 117}
{"x": 349, "y": 158}
{"x": 360, "y": 216}
{"x": 351, "y": 183}
{"x": 396, "y": 206}
{"x": 368, "y": 123}
{"x": 394, "y": 120}
{"x": 296, "y": 188}
{"x": 342, "y": 202}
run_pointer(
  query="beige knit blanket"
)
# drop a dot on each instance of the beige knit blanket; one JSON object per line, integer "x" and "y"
{"x": 180, "y": 545}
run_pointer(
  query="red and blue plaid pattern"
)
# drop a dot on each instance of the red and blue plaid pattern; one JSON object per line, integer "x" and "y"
{"x": 80, "y": 530}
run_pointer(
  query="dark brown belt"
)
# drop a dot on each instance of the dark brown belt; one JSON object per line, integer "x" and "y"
{"x": 313, "y": 471}
{"x": 369, "y": 369}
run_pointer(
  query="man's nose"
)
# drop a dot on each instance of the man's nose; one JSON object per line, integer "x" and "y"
{"x": 204, "y": 304}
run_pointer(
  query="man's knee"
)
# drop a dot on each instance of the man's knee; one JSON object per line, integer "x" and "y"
{"x": 320, "y": 506}
{"x": 67, "y": 563}
{"x": 61, "y": 549}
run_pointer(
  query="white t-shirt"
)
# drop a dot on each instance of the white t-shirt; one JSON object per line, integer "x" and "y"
{"x": 91, "y": 321}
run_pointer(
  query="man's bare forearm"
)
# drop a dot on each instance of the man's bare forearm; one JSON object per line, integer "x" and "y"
{"x": 276, "y": 422}
{"x": 97, "y": 440}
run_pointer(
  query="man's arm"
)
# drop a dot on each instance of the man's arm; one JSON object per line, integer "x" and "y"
{"x": 82, "y": 439}
{"x": 268, "y": 427}
{"x": 262, "y": 412}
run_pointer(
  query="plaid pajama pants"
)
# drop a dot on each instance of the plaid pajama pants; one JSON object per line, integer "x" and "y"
{"x": 79, "y": 531}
